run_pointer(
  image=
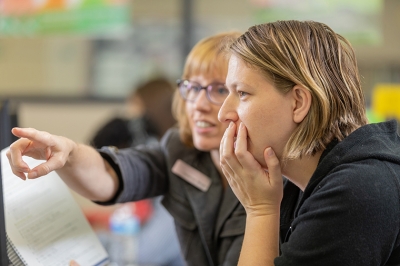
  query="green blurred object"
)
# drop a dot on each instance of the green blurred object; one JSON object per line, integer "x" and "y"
{"x": 374, "y": 117}
{"x": 87, "y": 17}
{"x": 359, "y": 19}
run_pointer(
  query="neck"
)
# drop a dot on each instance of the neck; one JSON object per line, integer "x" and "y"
{"x": 299, "y": 171}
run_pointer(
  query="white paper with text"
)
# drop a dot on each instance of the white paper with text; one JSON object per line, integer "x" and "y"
{"x": 45, "y": 223}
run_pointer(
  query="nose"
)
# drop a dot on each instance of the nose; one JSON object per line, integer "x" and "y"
{"x": 227, "y": 112}
{"x": 201, "y": 102}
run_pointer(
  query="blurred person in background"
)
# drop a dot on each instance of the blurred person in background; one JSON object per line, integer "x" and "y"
{"x": 151, "y": 104}
{"x": 148, "y": 118}
{"x": 184, "y": 167}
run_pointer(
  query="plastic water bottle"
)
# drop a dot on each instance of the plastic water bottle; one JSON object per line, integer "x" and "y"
{"x": 124, "y": 227}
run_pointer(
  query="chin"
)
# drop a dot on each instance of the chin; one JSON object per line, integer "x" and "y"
{"x": 258, "y": 157}
{"x": 206, "y": 143}
{"x": 205, "y": 146}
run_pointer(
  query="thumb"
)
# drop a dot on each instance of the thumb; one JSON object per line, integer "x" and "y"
{"x": 45, "y": 168}
{"x": 274, "y": 167}
{"x": 73, "y": 263}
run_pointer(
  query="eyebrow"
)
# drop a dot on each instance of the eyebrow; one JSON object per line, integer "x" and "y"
{"x": 212, "y": 82}
{"x": 236, "y": 84}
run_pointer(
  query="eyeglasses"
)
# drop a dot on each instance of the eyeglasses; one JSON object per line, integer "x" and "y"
{"x": 216, "y": 92}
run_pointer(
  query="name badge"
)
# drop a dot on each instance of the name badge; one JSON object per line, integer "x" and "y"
{"x": 191, "y": 175}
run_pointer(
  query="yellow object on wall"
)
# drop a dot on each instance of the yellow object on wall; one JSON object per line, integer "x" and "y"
{"x": 386, "y": 100}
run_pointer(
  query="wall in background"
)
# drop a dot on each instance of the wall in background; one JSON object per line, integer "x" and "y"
{"x": 111, "y": 66}
{"x": 44, "y": 67}
{"x": 75, "y": 120}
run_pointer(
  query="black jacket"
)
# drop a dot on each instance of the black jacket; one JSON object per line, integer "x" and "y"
{"x": 349, "y": 213}
{"x": 210, "y": 225}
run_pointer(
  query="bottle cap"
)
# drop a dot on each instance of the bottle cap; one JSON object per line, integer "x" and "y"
{"x": 123, "y": 221}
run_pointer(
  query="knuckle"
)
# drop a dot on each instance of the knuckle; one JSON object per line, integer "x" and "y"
{"x": 45, "y": 169}
{"x": 17, "y": 169}
{"x": 17, "y": 173}
{"x": 58, "y": 164}
{"x": 239, "y": 154}
{"x": 13, "y": 147}
{"x": 226, "y": 157}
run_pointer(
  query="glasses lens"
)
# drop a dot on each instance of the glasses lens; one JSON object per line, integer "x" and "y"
{"x": 218, "y": 93}
{"x": 189, "y": 90}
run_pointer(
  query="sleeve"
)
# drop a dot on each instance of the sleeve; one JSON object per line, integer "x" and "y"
{"x": 142, "y": 172}
{"x": 351, "y": 218}
{"x": 232, "y": 256}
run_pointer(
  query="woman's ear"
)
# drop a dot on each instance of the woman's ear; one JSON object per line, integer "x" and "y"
{"x": 302, "y": 98}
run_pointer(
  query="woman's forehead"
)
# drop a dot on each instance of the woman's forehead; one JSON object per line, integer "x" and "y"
{"x": 218, "y": 72}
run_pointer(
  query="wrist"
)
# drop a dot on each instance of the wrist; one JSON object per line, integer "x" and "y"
{"x": 263, "y": 211}
{"x": 73, "y": 148}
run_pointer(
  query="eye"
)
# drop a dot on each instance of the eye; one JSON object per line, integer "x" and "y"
{"x": 242, "y": 94}
{"x": 195, "y": 88}
{"x": 221, "y": 90}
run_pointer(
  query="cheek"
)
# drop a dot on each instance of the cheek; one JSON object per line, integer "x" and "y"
{"x": 262, "y": 126}
{"x": 221, "y": 130}
{"x": 252, "y": 118}
{"x": 223, "y": 127}
{"x": 189, "y": 112}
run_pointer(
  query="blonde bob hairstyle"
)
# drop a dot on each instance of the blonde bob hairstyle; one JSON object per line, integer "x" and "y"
{"x": 312, "y": 55}
{"x": 207, "y": 57}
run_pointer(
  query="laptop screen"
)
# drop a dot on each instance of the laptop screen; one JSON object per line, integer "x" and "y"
{"x": 5, "y": 141}
{"x": 3, "y": 247}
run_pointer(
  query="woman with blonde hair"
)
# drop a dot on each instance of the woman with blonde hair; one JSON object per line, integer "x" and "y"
{"x": 184, "y": 167}
{"x": 296, "y": 109}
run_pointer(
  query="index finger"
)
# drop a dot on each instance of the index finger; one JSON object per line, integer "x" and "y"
{"x": 227, "y": 153}
{"x": 32, "y": 134}
{"x": 14, "y": 155}
{"x": 245, "y": 158}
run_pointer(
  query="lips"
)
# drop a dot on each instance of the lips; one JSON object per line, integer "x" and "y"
{"x": 203, "y": 124}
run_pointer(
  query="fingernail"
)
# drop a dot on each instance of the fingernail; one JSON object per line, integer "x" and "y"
{"x": 32, "y": 175}
{"x": 231, "y": 124}
{"x": 270, "y": 152}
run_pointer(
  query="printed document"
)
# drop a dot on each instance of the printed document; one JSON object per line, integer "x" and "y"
{"x": 44, "y": 223}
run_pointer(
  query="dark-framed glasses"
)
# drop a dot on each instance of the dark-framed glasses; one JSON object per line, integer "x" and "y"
{"x": 216, "y": 92}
